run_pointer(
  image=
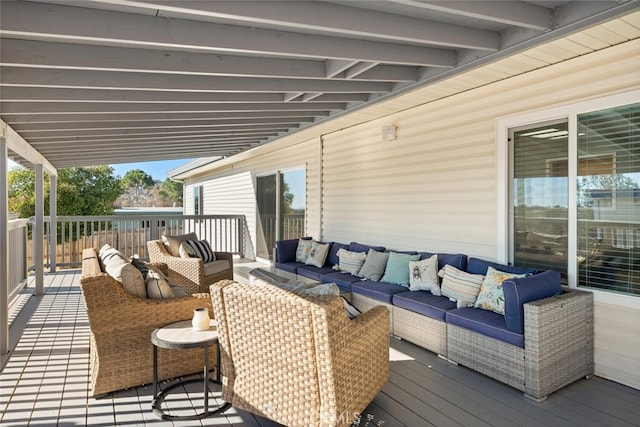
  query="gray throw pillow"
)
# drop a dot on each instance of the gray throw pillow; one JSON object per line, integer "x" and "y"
{"x": 374, "y": 266}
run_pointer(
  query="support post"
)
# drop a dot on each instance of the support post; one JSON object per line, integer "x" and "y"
{"x": 53, "y": 224}
{"x": 38, "y": 230}
{"x": 4, "y": 248}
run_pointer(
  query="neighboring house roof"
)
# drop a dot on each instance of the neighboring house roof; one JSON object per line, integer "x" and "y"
{"x": 107, "y": 81}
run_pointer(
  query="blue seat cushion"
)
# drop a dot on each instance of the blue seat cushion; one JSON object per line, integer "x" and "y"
{"x": 425, "y": 303}
{"x": 518, "y": 292}
{"x": 480, "y": 266}
{"x": 484, "y": 322}
{"x": 458, "y": 261}
{"x": 313, "y": 272}
{"x": 291, "y": 266}
{"x": 343, "y": 280}
{"x": 379, "y": 291}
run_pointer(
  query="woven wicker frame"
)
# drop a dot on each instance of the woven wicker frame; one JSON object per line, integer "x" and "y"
{"x": 299, "y": 361}
{"x": 121, "y": 353}
{"x": 558, "y": 346}
{"x": 189, "y": 272}
{"x": 419, "y": 329}
{"x": 363, "y": 304}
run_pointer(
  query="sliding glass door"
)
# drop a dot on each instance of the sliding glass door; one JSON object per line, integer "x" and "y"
{"x": 281, "y": 201}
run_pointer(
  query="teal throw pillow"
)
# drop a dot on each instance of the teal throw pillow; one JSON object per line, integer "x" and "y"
{"x": 397, "y": 271}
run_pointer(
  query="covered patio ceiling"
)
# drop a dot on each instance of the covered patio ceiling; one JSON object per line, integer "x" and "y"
{"x": 88, "y": 82}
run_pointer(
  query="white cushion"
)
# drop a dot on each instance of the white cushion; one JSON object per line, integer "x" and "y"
{"x": 423, "y": 275}
{"x": 123, "y": 271}
{"x": 318, "y": 254}
{"x": 350, "y": 262}
{"x": 172, "y": 243}
{"x": 303, "y": 250}
{"x": 460, "y": 286}
{"x": 215, "y": 267}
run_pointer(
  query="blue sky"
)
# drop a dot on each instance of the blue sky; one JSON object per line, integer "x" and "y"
{"x": 158, "y": 170}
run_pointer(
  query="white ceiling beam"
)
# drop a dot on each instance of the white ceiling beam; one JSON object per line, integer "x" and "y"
{"x": 27, "y": 53}
{"x": 86, "y": 26}
{"x": 22, "y": 108}
{"x": 34, "y": 129}
{"x": 162, "y": 118}
{"x": 325, "y": 18}
{"x": 32, "y": 77}
{"x": 106, "y": 136}
{"x": 310, "y": 96}
{"x": 26, "y": 151}
{"x": 360, "y": 68}
{"x": 516, "y": 13}
{"x": 124, "y": 142}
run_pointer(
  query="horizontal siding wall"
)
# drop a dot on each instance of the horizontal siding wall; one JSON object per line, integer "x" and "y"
{"x": 232, "y": 191}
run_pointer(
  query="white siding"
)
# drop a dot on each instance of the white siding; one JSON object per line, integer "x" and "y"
{"x": 435, "y": 187}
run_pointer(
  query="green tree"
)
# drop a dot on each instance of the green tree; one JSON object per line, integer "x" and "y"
{"x": 171, "y": 192}
{"x": 81, "y": 191}
{"x": 136, "y": 184}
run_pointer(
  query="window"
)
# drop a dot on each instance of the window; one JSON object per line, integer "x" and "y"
{"x": 197, "y": 200}
{"x": 573, "y": 193}
{"x": 608, "y": 177}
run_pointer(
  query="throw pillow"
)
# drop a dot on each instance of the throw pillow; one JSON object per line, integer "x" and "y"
{"x": 351, "y": 262}
{"x": 187, "y": 251}
{"x": 460, "y": 286}
{"x": 157, "y": 285}
{"x": 318, "y": 254}
{"x": 351, "y": 310}
{"x": 202, "y": 250}
{"x": 424, "y": 275}
{"x": 118, "y": 267}
{"x": 491, "y": 295}
{"x": 374, "y": 265}
{"x": 172, "y": 243}
{"x": 304, "y": 248}
{"x": 140, "y": 265}
{"x": 397, "y": 271}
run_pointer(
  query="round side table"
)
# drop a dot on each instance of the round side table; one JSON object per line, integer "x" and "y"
{"x": 179, "y": 336}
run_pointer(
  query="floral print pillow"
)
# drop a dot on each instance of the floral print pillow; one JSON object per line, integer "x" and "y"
{"x": 491, "y": 296}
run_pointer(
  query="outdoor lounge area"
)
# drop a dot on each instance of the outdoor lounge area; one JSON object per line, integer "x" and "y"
{"x": 46, "y": 382}
{"x": 465, "y": 174}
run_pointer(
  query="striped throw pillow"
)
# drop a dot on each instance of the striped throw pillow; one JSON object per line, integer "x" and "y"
{"x": 460, "y": 286}
{"x": 199, "y": 249}
{"x": 351, "y": 262}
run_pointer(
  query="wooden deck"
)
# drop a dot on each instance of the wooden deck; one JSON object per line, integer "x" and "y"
{"x": 45, "y": 383}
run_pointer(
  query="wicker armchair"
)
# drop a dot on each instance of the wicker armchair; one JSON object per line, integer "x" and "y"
{"x": 299, "y": 361}
{"x": 189, "y": 273}
{"x": 121, "y": 353}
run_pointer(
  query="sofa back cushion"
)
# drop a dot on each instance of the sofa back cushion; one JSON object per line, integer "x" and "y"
{"x": 480, "y": 266}
{"x": 518, "y": 292}
{"x": 458, "y": 261}
{"x": 286, "y": 250}
{"x": 359, "y": 247}
{"x": 374, "y": 265}
{"x": 332, "y": 258}
{"x": 118, "y": 267}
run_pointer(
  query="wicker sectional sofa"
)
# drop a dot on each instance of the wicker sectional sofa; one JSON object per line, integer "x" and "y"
{"x": 543, "y": 342}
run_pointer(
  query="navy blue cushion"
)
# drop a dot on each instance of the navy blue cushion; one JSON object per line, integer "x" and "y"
{"x": 425, "y": 303}
{"x": 484, "y": 322}
{"x": 377, "y": 290}
{"x": 458, "y": 261}
{"x": 332, "y": 258}
{"x": 359, "y": 247}
{"x": 313, "y": 272}
{"x": 480, "y": 266}
{"x": 286, "y": 250}
{"x": 520, "y": 291}
{"x": 343, "y": 280}
{"x": 291, "y": 267}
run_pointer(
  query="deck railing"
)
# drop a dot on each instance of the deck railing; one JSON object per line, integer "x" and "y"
{"x": 130, "y": 233}
{"x": 17, "y": 255}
